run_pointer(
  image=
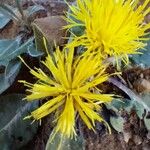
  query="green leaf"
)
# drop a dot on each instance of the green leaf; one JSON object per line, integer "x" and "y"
{"x": 8, "y": 12}
{"x": 146, "y": 99}
{"x": 7, "y": 46}
{"x": 14, "y": 131}
{"x": 10, "y": 49}
{"x": 34, "y": 9}
{"x": 147, "y": 123}
{"x": 12, "y": 68}
{"x": 3, "y": 21}
{"x": 4, "y": 63}
{"x": 32, "y": 51}
{"x": 64, "y": 143}
{"x": 78, "y": 30}
{"x": 20, "y": 50}
{"x": 38, "y": 34}
{"x": 139, "y": 108}
{"x": 143, "y": 59}
{"x": 8, "y": 77}
{"x": 117, "y": 123}
{"x": 117, "y": 104}
{"x": 3, "y": 138}
{"x": 19, "y": 6}
{"x": 142, "y": 105}
{"x": 38, "y": 37}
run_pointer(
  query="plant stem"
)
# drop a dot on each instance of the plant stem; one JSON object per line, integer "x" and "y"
{"x": 129, "y": 92}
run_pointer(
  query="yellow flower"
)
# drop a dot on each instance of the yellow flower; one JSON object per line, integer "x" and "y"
{"x": 114, "y": 27}
{"x": 70, "y": 88}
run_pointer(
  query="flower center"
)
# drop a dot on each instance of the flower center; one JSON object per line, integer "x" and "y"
{"x": 70, "y": 91}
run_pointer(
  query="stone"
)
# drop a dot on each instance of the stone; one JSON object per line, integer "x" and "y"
{"x": 145, "y": 85}
{"x": 51, "y": 28}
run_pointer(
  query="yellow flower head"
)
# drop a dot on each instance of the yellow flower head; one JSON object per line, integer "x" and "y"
{"x": 70, "y": 88}
{"x": 114, "y": 27}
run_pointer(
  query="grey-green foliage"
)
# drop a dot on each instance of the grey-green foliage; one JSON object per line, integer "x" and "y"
{"x": 8, "y": 12}
{"x": 11, "y": 13}
{"x": 10, "y": 49}
{"x": 144, "y": 58}
{"x": 33, "y": 52}
{"x": 14, "y": 131}
{"x": 128, "y": 105}
{"x": 146, "y": 100}
{"x": 33, "y": 9}
{"x": 117, "y": 123}
{"x": 78, "y": 30}
{"x": 9, "y": 52}
{"x": 7, "y": 47}
{"x": 38, "y": 35}
{"x": 3, "y": 21}
{"x": 116, "y": 106}
{"x": 8, "y": 76}
{"x": 64, "y": 143}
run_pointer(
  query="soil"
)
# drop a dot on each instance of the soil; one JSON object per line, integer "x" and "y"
{"x": 138, "y": 79}
{"x": 136, "y": 136}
